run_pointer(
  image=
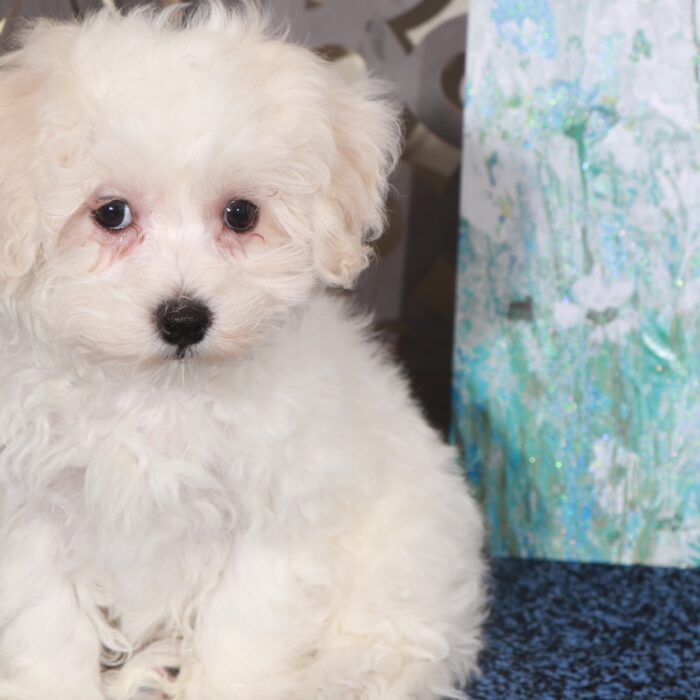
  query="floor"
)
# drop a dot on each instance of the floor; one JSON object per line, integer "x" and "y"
{"x": 591, "y": 631}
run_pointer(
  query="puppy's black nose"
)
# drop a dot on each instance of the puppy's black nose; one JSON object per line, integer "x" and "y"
{"x": 182, "y": 321}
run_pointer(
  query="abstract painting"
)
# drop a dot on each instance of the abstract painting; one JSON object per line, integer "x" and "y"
{"x": 577, "y": 351}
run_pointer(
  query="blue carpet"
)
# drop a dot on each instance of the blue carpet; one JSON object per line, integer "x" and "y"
{"x": 591, "y": 631}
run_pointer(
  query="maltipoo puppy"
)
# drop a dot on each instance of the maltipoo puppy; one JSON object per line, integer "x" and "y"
{"x": 213, "y": 484}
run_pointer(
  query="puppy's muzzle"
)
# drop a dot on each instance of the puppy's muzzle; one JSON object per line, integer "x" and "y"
{"x": 183, "y": 322}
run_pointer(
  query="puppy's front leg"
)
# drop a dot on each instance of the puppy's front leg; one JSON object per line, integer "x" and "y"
{"x": 48, "y": 647}
{"x": 259, "y": 628}
{"x": 406, "y": 621}
{"x": 390, "y": 609}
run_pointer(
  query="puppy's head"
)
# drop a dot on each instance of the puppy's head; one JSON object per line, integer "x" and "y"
{"x": 169, "y": 188}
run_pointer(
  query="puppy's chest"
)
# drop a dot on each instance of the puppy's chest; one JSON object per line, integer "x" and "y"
{"x": 172, "y": 474}
{"x": 161, "y": 513}
{"x": 124, "y": 467}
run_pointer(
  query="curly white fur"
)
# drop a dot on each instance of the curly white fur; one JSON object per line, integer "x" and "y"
{"x": 270, "y": 514}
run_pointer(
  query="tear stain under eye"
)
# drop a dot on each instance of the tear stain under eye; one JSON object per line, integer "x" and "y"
{"x": 230, "y": 243}
{"x": 112, "y": 250}
{"x": 76, "y": 233}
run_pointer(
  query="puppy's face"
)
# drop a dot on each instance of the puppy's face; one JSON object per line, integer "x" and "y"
{"x": 169, "y": 192}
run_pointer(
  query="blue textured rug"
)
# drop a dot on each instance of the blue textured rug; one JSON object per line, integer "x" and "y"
{"x": 591, "y": 631}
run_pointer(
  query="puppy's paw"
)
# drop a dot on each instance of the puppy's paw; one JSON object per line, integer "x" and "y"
{"x": 144, "y": 693}
{"x": 359, "y": 689}
{"x": 150, "y": 674}
{"x": 376, "y": 672}
{"x": 136, "y": 681}
{"x": 148, "y": 691}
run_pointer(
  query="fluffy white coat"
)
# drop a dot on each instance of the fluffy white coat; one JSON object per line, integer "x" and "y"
{"x": 270, "y": 514}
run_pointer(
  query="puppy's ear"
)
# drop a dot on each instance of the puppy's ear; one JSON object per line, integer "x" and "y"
{"x": 367, "y": 134}
{"x": 18, "y": 218}
{"x": 24, "y": 73}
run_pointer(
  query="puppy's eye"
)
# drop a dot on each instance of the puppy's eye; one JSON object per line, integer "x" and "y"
{"x": 240, "y": 215}
{"x": 114, "y": 215}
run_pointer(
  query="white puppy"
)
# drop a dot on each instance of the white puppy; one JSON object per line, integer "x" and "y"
{"x": 206, "y": 463}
